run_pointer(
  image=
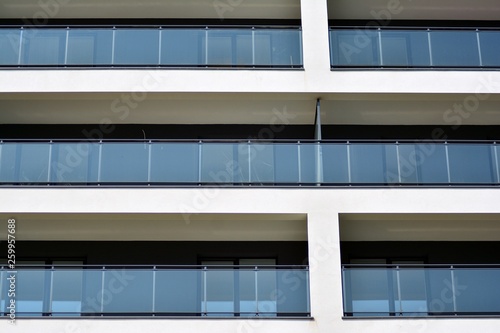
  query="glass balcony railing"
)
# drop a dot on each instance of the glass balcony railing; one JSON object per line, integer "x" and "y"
{"x": 414, "y": 48}
{"x": 151, "y": 47}
{"x": 421, "y": 290}
{"x": 232, "y": 163}
{"x": 157, "y": 291}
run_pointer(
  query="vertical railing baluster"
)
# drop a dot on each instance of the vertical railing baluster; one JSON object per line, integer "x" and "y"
{"x": 400, "y": 179}
{"x": 349, "y": 175}
{"x": 249, "y": 143}
{"x": 299, "y": 164}
{"x": 381, "y": 55}
{"x": 51, "y": 291}
{"x": 99, "y": 163}
{"x": 447, "y": 162}
{"x": 398, "y": 282}
{"x": 479, "y": 48}
{"x": 253, "y": 46}
{"x": 300, "y": 47}
{"x": 49, "y": 162}
{"x": 200, "y": 156}
{"x": 160, "y": 31}
{"x": 206, "y": 45}
{"x": 308, "y": 292}
{"x": 103, "y": 276}
{"x": 495, "y": 150}
{"x": 153, "y": 306}
{"x": 204, "y": 281}
{"x": 66, "y": 47}
{"x": 21, "y": 41}
{"x": 256, "y": 271}
{"x": 113, "y": 38}
{"x": 453, "y": 292}
{"x": 149, "y": 161}
{"x": 431, "y": 60}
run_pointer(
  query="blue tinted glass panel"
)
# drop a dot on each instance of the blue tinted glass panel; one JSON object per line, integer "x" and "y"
{"x": 490, "y": 48}
{"x": 93, "y": 296}
{"x": 176, "y": 291}
{"x": 137, "y": 47}
{"x": 30, "y": 292}
{"x": 471, "y": 163}
{"x": 24, "y": 162}
{"x": 224, "y": 163}
{"x": 175, "y": 162}
{"x": 278, "y": 47}
{"x": 373, "y": 163}
{"x": 67, "y": 292}
{"x": 128, "y": 290}
{"x": 229, "y": 47}
{"x": 261, "y": 163}
{"x": 90, "y": 46}
{"x": 182, "y": 47}
{"x": 44, "y": 47}
{"x": 286, "y": 163}
{"x": 335, "y": 168}
{"x": 477, "y": 290}
{"x": 294, "y": 295}
{"x": 423, "y": 163}
{"x": 405, "y": 48}
{"x": 454, "y": 48}
{"x": 9, "y": 46}
{"x": 218, "y": 290}
{"x": 439, "y": 281}
{"x": 355, "y": 48}
{"x": 124, "y": 162}
{"x": 311, "y": 163}
{"x": 74, "y": 162}
{"x": 413, "y": 291}
{"x": 367, "y": 292}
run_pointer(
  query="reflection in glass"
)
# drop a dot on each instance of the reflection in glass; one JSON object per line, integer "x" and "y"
{"x": 44, "y": 47}
{"x": 90, "y": 46}
{"x": 74, "y": 162}
{"x": 24, "y": 162}
{"x": 355, "y": 48}
{"x": 405, "y": 48}
{"x": 9, "y": 46}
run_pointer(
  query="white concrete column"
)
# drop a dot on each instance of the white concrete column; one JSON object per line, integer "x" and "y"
{"x": 316, "y": 49}
{"x": 324, "y": 265}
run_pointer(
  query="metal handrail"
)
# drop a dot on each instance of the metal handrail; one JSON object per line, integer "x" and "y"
{"x": 256, "y": 141}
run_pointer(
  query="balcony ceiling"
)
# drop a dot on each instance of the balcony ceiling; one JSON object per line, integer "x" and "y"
{"x": 415, "y": 10}
{"x": 292, "y": 109}
{"x": 420, "y": 227}
{"x": 223, "y": 9}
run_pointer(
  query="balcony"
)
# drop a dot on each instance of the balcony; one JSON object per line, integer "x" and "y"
{"x": 243, "y": 163}
{"x": 418, "y": 48}
{"x": 158, "y": 47}
{"x": 214, "y": 291}
{"x": 406, "y": 290}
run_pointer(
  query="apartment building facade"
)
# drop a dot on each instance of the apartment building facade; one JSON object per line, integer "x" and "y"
{"x": 249, "y": 165}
